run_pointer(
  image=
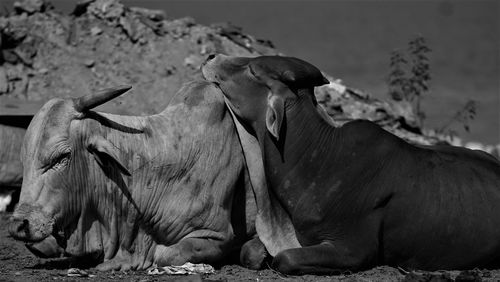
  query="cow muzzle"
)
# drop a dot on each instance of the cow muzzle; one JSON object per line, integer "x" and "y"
{"x": 34, "y": 226}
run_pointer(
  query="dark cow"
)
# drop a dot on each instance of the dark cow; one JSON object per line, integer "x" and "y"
{"x": 356, "y": 196}
{"x": 136, "y": 191}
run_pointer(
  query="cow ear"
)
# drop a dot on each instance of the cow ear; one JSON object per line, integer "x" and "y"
{"x": 275, "y": 114}
{"x": 297, "y": 73}
{"x": 104, "y": 152}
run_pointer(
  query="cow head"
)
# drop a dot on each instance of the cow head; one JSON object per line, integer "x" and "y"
{"x": 260, "y": 89}
{"x": 51, "y": 194}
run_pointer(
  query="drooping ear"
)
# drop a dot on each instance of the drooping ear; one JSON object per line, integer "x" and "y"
{"x": 272, "y": 222}
{"x": 104, "y": 152}
{"x": 275, "y": 114}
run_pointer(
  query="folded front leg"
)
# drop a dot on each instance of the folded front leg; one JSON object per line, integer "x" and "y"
{"x": 194, "y": 250}
{"x": 324, "y": 258}
{"x": 253, "y": 253}
{"x": 124, "y": 261}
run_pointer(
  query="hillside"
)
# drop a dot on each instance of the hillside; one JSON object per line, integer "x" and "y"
{"x": 102, "y": 43}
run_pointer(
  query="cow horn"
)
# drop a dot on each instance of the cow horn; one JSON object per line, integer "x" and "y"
{"x": 100, "y": 97}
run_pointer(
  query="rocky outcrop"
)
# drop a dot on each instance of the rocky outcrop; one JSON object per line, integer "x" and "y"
{"x": 47, "y": 54}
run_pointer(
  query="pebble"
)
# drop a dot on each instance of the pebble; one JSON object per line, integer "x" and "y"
{"x": 89, "y": 63}
{"x": 4, "y": 82}
{"x": 43, "y": 70}
{"x": 95, "y": 31}
{"x": 75, "y": 272}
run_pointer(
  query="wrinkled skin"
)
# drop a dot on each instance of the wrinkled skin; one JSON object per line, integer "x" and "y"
{"x": 356, "y": 196}
{"x": 136, "y": 191}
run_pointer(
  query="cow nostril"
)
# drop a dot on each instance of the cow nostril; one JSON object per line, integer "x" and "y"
{"x": 23, "y": 226}
{"x": 19, "y": 228}
{"x": 210, "y": 57}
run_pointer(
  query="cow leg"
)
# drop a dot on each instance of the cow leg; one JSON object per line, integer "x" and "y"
{"x": 122, "y": 261}
{"x": 194, "y": 250}
{"x": 253, "y": 253}
{"x": 324, "y": 258}
{"x": 140, "y": 257}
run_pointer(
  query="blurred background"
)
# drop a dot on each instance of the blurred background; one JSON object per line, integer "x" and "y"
{"x": 353, "y": 40}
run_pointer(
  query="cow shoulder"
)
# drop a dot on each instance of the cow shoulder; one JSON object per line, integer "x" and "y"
{"x": 364, "y": 132}
{"x": 369, "y": 139}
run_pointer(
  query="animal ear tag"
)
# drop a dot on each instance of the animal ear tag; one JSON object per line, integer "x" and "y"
{"x": 104, "y": 152}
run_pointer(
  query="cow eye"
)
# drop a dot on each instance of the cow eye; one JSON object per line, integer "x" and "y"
{"x": 57, "y": 162}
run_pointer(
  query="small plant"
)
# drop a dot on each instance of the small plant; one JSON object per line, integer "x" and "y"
{"x": 398, "y": 82}
{"x": 409, "y": 78}
{"x": 464, "y": 116}
{"x": 410, "y": 75}
{"x": 420, "y": 71}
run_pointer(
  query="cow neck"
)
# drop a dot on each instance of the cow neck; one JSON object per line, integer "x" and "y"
{"x": 113, "y": 202}
{"x": 109, "y": 203}
{"x": 304, "y": 152}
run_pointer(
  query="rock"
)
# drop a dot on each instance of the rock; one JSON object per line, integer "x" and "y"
{"x": 179, "y": 28}
{"x": 43, "y": 70}
{"x": 95, "y": 31}
{"x": 81, "y": 7}
{"x": 12, "y": 34}
{"x": 234, "y": 33}
{"x": 110, "y": 10}
{"x": 4, "y": 81}
{"x": 10, "y": 56}
{"x": 75, "y": 272}
{"x": 156, "y": 27}
{"x": 30, "y": 6}
{"x": 130, "y": 27}
{"x": 469, "y": 276}
{"x": 193, "y": 61}
{"x": 337, "y": 86}
{"x": 155, "y": 15}
{"x": 405, "y": 110}
{"x": 89, "y": 63}
{"x": 427, "y": 277}
{"x": 26, "y": 51}
{"x": 170, "y": 70}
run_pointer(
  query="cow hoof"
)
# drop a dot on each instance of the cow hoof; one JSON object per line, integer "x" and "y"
{"x": 285, "y": 263}
{"x": 252, "y": 254}
{"x": 114, "y": 265}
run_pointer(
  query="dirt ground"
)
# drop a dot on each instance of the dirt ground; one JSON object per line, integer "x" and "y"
{"x": 18, "y": 264}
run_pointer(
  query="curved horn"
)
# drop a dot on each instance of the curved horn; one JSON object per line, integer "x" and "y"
{"x": 93, "y": 100}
